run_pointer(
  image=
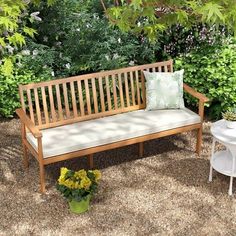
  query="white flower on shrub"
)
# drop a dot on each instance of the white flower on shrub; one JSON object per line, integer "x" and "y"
{"x": 35, "y": 52}
{"x": 45, "y": 66}
{"x": 25, "y": 52}
{"x": 116, "y": 56}
{"x": 107, "y": 57}
{"x": 131, "y": 63}
{"x": 119, "y": 40}
{"x": 67, "y": 65}
{"x": 10, "y": 49}
{"x": 35, "y": 16}
{"x": 45, "y": 38}
{"x": 78, "y": 29}
{"x": 53, "y": 74}
{"x": 19, "y": 64}
{"x": 139, "y": 24}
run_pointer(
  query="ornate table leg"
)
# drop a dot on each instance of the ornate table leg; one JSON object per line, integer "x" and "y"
{"x": 212, "y": 154}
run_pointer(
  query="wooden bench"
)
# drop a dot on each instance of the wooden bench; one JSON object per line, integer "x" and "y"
{"x": 82, "y": 115}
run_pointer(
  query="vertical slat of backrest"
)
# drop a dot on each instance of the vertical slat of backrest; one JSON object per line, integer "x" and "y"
{"x": 87, "y": 96}
{"x": 171, "y": 68}
{"x": 30, "y": 105}
{"x": 45, "y": 108}
{"x": 66, "y": 103}
{"x": 95, "y": 102}
{"x": 81, "y": 100}
{"x": 108, "y": 93}
{"x": 59, "y": 106}
{"x": 38, "y": 112}
{"x": 101, "y": 92}
{"x": 121, "y": 91}
{"x": 114, "y": 91}
{"x": 143, "y": 88}
{"x": 159, "y": 69}
{"x": 51, "y": 99}
{"x": 22, "y": 100}
{"x": 127, "y": 90}
{"x": 138, "y": 88}
{"x": 73, "y": 98}
{"x": 132, "y": 88}
{"x": 153, "y": 69}
{"x": 165, "y": 68}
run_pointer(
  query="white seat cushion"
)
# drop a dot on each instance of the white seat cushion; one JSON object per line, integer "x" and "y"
{"x": 92, "y": 133}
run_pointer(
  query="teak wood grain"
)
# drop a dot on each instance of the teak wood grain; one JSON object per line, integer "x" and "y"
{"x": 91, "y": 96}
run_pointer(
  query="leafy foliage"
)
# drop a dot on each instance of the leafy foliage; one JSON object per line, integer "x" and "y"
{"x": 9, "y": 93}
{"x": 13, "y": 30}
{"x": 84, "y": 40}
{"x": 212, "y": 71}
{"x": 150, "y": 17}
{"x": 177, "y": 39}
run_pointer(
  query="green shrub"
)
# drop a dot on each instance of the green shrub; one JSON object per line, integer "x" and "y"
{"x": 212, "y": 71}
{"x": 85, "y": 42}
{"x": 9, "y": 93}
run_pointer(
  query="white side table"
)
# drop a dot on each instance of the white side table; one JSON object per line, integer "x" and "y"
{"x": 224, "y": 161}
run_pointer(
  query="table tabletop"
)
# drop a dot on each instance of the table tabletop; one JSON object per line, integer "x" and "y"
{"x": 224, "y": 134}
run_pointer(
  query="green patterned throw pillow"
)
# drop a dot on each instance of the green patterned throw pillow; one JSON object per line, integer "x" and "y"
{"x": 164, "y": 90}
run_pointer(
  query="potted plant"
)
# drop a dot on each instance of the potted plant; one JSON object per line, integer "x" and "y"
{"x": 78, "y": 187}
{"x": 230, "y": 118}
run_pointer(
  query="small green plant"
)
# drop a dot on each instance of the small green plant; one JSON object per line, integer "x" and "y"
{"x": 230, "y": 115}
{"x": 77, "y": 185}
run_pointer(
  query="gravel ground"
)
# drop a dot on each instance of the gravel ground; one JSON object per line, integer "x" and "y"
{"x": 164, "y": 193}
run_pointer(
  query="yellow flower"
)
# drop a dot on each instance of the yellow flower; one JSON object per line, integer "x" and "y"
{"x": 77, "y": 185}
{"x": 80, "y": 174}
{"x": 97, "y": 174}
{"x": 62, "y": 176}
{"x": 85, "y": 183}
{"x": 64, "y": 170}
{"x": 69, "y": 184}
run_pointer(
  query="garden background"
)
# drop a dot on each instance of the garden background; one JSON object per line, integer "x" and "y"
{"x": 75, "y": 37}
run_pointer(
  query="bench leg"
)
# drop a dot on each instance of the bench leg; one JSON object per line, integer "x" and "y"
{"x": 141, "y": 149}
{"x": 26, "y": 157}
{"x": 199, "y": 141}
{"x": 41, "y": 165}
{"x": 25, "y": 151}
{"x": 42, "y": 178}
{"x": 90, "y": 161}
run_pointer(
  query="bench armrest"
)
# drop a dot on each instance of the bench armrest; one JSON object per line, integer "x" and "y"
{"x": 195, "y": 94}
{"x": 28, "y": 123}
{"x": 201, "y": 97}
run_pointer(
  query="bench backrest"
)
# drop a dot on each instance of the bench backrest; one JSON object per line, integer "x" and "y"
{"x": 64, "y": 101}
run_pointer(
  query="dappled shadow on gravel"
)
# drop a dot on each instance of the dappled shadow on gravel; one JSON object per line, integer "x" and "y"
{"x": 163, "y": 193}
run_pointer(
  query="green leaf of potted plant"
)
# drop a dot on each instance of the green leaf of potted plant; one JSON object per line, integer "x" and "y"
{"x": 230, "y": 118}
{"x": 78, "y": 187}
